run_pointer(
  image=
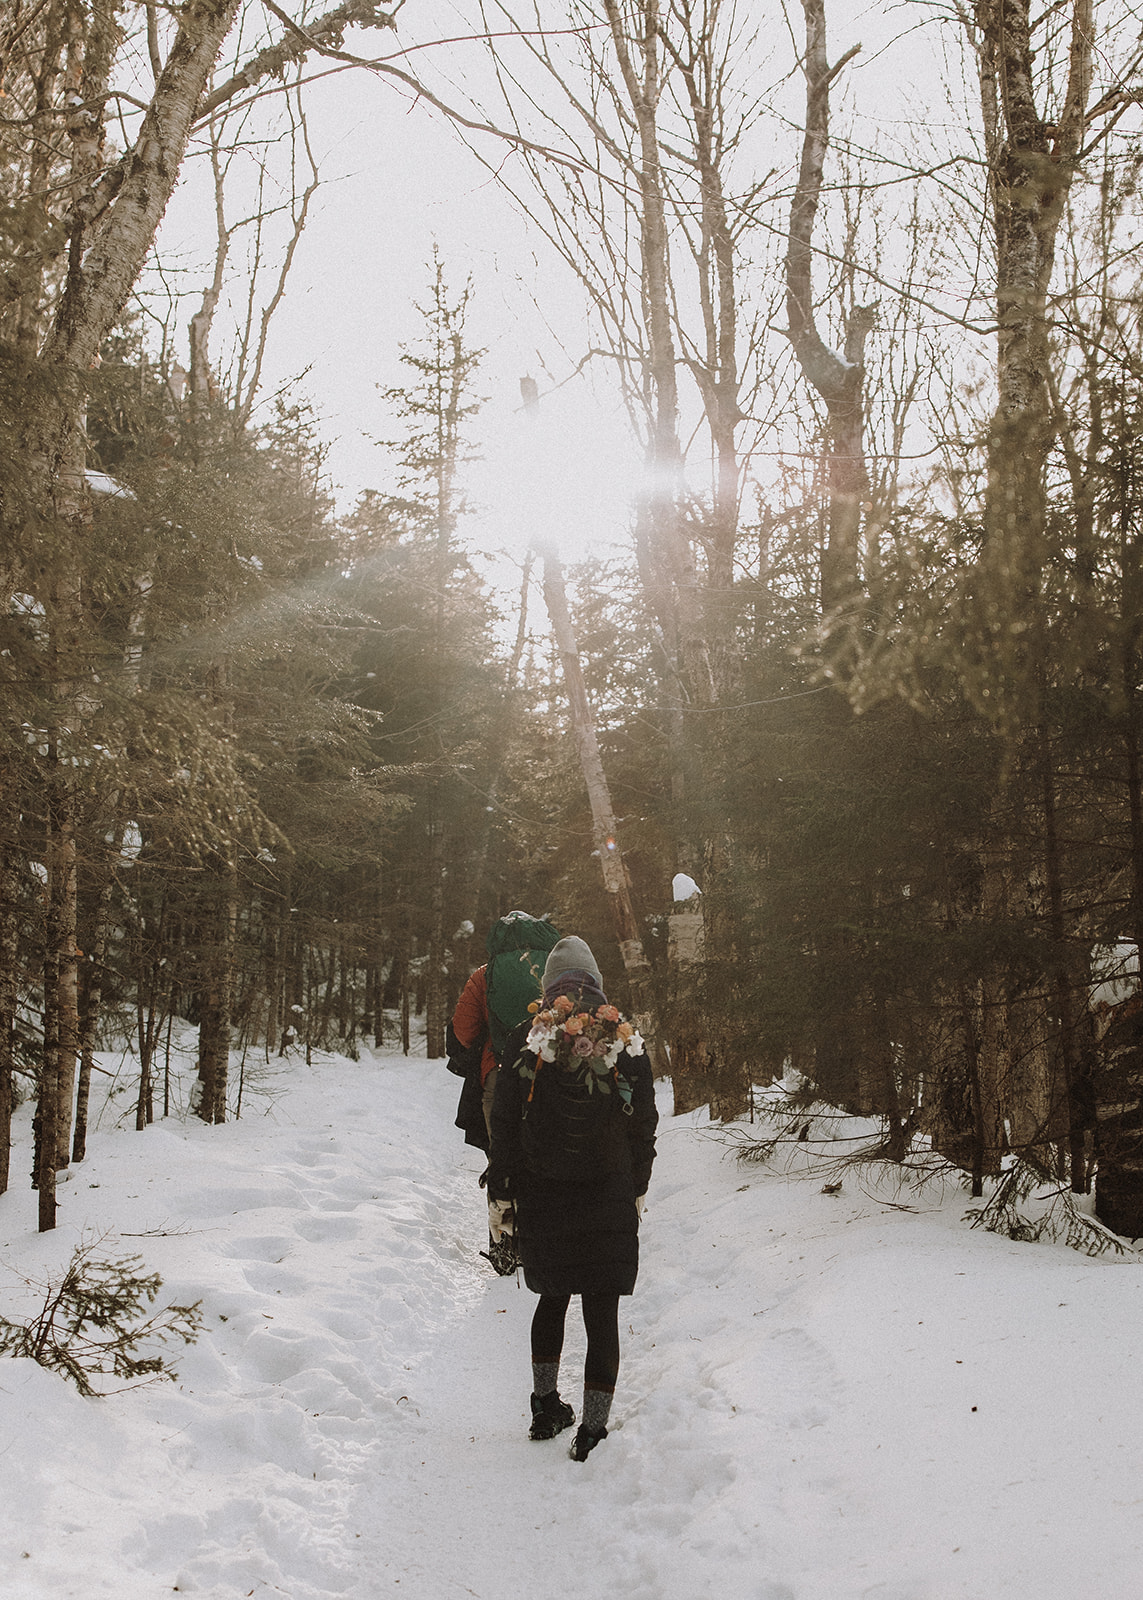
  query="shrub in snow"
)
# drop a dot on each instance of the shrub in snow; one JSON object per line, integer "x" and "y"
{"x": 1024, "y": 1206}
{"x": 89, "y": 1323}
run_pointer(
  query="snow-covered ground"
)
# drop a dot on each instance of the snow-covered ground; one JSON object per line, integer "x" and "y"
{"x": 823, "y": 1396}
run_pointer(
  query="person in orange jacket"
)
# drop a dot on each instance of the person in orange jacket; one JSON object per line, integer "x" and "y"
{"x": 469, "y": 1030}
{"x": 492, "y": 1003}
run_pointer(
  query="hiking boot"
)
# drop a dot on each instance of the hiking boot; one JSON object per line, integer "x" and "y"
{"x": 585, "y": 1441}
{"x": 550, "y": 1415}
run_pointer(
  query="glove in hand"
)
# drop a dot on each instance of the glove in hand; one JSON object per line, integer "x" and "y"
{"x": 501, "y": 1219}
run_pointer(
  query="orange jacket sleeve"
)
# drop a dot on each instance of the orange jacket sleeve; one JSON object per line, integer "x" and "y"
{"x": 470, "y": 1019}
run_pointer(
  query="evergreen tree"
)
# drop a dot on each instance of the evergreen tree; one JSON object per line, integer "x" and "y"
{"x": 426, "y": 666}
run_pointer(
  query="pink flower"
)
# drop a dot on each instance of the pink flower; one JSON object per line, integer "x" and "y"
{"x": 600, "y": 1047}
{"x": 608, "y": 1014}
{"x": 582, "y": 1047}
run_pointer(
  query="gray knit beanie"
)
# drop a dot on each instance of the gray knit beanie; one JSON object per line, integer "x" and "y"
{"x": 570, "y": 955}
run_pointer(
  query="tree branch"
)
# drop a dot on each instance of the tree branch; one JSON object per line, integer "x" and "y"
{"x": 826, "y": 370}
{"x": 324, "y": 34}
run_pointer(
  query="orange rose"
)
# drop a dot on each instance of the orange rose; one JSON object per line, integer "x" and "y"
{"x": 562, "y": 1003}
{"x": 607, "y": 1014}
{"x": 574, "y": 1025}
{"x": 624, "y": 1030}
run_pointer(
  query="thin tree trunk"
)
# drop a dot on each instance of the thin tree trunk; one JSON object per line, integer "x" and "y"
{"x": 1074, "y": 1088}
{"x": 89, "y": 1021}
{"x": 991, "y": 1056}
{"x": 839, "y": 380}
{"x": 9, "y": 947}
{"x": 982, "y": 1161}
{"x": 275, "y": 939}
{"x": 701, "y": 68}
{"x": 435, "y": 1018}
{"x": 46, "y": 1121}
{"x": 62, "y": 955}
{"x": 377, "y": 962}
{"x": 479, "y": 864}
{"x": 406, "y": 1019}
{"x": 616, "y": 880}
{"x": 216, "y": 996}
{"x": 167, "y": 1055}
{"x": 1119, "y": 1087}
{"x": 151, "y": 1012}
{"x": 663, "y": 547}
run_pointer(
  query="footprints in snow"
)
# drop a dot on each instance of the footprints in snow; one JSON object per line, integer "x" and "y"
{"x": 347, "y": 1263}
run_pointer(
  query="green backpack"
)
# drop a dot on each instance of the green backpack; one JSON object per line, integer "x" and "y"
{"x": 517, "y": 947}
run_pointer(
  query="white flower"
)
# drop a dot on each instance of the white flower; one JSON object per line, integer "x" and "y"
{"x": 635, "y": 1045}
{"x": 541, "y": 1039}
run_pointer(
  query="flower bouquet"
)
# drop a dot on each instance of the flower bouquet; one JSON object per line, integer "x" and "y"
{"x": 585, "y": 1043}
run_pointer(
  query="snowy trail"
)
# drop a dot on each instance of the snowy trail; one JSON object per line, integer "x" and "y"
{"x": 472, "y": 1506}
{"x": 822, "y": 1397}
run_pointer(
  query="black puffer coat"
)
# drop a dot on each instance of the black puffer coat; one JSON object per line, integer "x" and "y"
{"x": 574, "y": 1234}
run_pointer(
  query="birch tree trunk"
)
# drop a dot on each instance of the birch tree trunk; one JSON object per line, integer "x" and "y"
{"x": 103, "y": 265}
{"x": 100, "y": 235}
{"x": 701, "y": 60}
{"x": 839, "y": 379}
{"x": 1031, "y": 166}
{"x": 616, "y": 879}
{"x": 665, "y": 553}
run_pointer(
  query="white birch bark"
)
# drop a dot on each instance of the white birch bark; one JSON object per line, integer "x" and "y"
{"x": 839, "y": 379}
{"x": 616, "y": 879}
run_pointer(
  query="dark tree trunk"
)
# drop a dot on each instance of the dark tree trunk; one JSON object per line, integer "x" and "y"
{"x": 1118, "y": 1074}
{"x": 1076, "y": 1085}
{"x": 9, "y": 945}
{"x": 435, "y": 1018}
{"x": 89, "y": 1019}
{"x": 215, "y": 997}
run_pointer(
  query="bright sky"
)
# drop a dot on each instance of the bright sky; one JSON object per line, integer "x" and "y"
{"x": 410, "y": 184}
{"x": 397, "y": 180}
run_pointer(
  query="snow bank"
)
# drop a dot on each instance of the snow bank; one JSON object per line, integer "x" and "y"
{"x": 822, "y": 1397}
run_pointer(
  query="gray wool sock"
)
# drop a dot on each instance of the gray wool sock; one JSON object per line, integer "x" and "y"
{"x": 596, "y": 1409}
{"x": 545, "y": 1377}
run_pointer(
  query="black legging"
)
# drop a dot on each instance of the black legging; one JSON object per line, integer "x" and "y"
{"x": 601, "y": 1321}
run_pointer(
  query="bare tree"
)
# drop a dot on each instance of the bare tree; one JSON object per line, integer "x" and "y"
{"x": 838, "y": 377}
{"x": 1032, "y": 151}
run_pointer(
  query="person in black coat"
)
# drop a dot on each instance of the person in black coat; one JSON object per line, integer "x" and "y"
{"x": 573, "y": 1142}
